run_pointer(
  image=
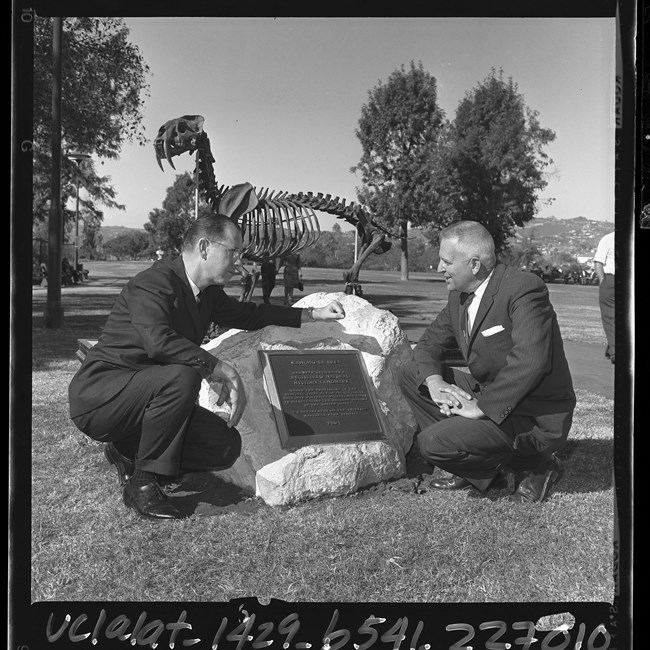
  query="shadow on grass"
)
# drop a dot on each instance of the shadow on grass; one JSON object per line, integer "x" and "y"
{"x": 56, "y": 345}
{"x": 587, "y": 466}
{"x": 85, "y": 316}
{"x": 403, "y": 306}
{"x": 207, "y": 495}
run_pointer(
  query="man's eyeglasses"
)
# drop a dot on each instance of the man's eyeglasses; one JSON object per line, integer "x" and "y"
{"x": 236, "y": 253}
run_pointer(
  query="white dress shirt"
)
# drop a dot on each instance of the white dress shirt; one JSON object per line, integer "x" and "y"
{"x": 474, "y": 305}
{"x": 605, "y": 253}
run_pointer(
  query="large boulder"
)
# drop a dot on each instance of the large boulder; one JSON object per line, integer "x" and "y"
{"x": 281, "y": 476}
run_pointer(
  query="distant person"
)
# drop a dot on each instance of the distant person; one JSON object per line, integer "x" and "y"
{"x": 137, "y": 388}
{"x": 605, "y": 267}
{"x": 292, "y": 276}
{"x": 81, "y": 273}
{"x": 513, "y": 409}
{"x": 248, "y": 282}
{"x": 68, "y": 273}
{"x": 43, "y": 268}
{"x": 160, "y": 254}
{"x": 268, "y": 272}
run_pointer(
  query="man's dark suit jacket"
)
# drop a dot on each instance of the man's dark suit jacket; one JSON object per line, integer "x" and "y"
{"x": 515, "y": 351}
{"x": 156, "y": 321}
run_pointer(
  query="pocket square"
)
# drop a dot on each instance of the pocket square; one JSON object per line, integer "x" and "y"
{"x": 492, "y": 330}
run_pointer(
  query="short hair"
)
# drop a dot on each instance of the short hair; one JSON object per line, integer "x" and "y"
{"x": 473, "y": 239}
{"x": 212, "y": 226}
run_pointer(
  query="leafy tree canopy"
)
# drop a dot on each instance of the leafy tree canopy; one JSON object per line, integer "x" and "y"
{"x": 167, "y": 226}
{"x": 490, "y": 162}
{"x": 398, "y": 130}
{"x": 104, "y": 83}
{"x": 130, "y": 246}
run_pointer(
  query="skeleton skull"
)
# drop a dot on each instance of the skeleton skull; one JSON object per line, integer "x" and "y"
{"x": 178, "y": 136}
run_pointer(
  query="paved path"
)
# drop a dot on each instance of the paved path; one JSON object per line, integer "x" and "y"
{"x": 590, "y": 369}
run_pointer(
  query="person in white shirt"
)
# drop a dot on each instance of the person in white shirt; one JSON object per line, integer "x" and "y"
{"x": 605, "y": 267}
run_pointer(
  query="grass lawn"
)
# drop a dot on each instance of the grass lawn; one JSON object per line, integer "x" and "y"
{"x": 379, "y": 545}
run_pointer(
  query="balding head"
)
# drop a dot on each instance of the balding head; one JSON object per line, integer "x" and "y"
{"x": 215, "y": 227}
{"x": 472, "y": 239}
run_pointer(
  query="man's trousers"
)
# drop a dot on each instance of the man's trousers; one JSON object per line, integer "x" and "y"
{"x": 606, "y": 300}
{"x": 478, "y": 449}
{"x": 156, "y": 421}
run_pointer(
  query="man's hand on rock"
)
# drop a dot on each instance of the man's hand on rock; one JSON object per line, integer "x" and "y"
{"x": 332, "y": 311}
{"x": 232, "y": 391}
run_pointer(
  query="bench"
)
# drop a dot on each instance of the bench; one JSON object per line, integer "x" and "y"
{"x": 39, "y": 273}
{"x": 83, "y": 345}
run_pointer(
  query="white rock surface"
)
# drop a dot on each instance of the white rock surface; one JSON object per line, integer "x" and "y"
{"x": 282, "y": 477}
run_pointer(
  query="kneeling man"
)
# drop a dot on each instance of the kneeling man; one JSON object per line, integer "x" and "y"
{"x": 513, "y": 408}
{"x": 137, "y": 388}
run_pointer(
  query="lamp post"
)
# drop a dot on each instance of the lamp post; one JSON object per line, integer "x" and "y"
{"x": 53, "y": 312}
{"x": 77, "y": 157}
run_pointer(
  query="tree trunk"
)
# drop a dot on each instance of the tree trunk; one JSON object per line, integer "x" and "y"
{"x": 404, "y": 259}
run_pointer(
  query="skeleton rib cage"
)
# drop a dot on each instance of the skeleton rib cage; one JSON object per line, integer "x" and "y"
{"x": 278, "y": 223}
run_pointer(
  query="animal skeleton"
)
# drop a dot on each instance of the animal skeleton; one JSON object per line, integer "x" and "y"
{"x": 273, "y": 223}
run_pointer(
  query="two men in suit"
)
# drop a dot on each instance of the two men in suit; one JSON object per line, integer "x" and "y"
{"x": 137, "y": 388}
{"x": 512, "y": 408}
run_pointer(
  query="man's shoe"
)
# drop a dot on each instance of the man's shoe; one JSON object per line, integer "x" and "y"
{"x": 449, "y": 483}
{"x": 149, "y": 501}
{"x": 499, "y": 482}
{"x": 536, "y": 486}
{"x": 125, "y": 466}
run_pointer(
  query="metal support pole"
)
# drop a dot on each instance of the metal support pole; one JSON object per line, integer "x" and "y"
{"x": 53, "y": 313}
{"x": 196, "y": 186}
{"x": 77, "y": 157}
{"x": 76, "y": 229}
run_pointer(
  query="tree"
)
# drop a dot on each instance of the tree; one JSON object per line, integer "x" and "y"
{"x": 92, "y": 240}
{"x": 168, "y": 225}
{"x": 103, "y": 84}
{"x": 398, "y": 131}
{"x": 130, "y": 246}
{"x": 490, "y": 162}
{"x": 333, "y": 249}
{"x": 523, "y": 253}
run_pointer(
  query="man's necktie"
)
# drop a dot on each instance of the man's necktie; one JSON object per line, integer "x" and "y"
{"x": 199, "y": 295}
{"x": 466, "y": 301}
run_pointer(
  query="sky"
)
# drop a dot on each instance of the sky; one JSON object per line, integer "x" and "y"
{"x": 282, "y": 98}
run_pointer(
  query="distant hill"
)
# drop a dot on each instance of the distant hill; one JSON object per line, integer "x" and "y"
{"x": 110, "y": 232}
{"x": 578, "y": 236}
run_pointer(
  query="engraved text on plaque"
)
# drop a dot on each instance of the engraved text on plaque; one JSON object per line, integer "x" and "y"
{"x": 321, "y": 396}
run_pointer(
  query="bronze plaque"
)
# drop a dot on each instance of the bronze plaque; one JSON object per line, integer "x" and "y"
{"x": 321, "y": 396}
